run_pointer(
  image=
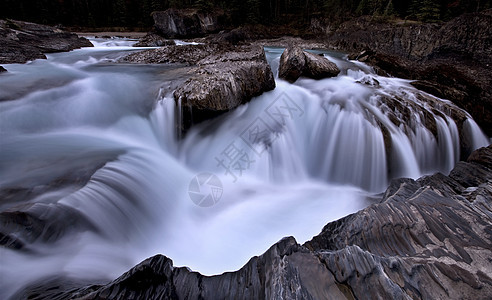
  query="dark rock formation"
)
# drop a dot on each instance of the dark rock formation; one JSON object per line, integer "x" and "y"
{"x": 185, "y": 23}
{"x": 22, "y": 41}
{"x": 292, "y": 64}
{"x": 467, "y": 36}
{"x": 234, "y": 37}
{"x": 295, "y": 62}
{"x": 224, "y": 77}
{"x": 222, "y": 82}
{"x": 153, "y": 40}
{"x": 40, "y": 222}
{"x": 318, "y": 67}
{"x": 184, "y": 54}
{"x": 426, "y": 239}
{"x": 453, "y": 59}
{"x": 248, "y": 33}
{"x": 2, "y": 69}
{"x": 22, "y": 223}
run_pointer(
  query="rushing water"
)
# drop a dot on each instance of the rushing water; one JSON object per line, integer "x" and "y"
{"x": 284, "y": 164}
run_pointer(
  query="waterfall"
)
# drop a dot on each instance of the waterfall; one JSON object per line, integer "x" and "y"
{"x": 96, "y": 158}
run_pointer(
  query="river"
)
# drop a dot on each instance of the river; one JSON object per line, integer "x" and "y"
{"x": 89, "y": 151}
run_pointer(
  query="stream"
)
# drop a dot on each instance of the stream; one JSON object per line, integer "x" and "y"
{"x": 89, "y": 151}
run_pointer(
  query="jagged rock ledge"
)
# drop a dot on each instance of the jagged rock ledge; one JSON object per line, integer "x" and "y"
{"x": 23, "y": 41}
{"x": 223, "y": 78}
{"x": 426, "y": 239}
{"x": 222, "y": 82}
{"x": 451, "y": 60}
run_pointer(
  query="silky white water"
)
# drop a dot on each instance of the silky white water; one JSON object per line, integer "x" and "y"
{"x": 284, "y": 164}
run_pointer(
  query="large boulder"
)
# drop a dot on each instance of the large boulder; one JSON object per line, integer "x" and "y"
{"x": 468, "y": 36}
{"x": 295, "y": 62}
{"x": 426, "y": 239}
{"x": 222, "y": 82}
{"x": 292, "y": 63}
{"x": 23, "y": 41}
{"x": 185, "y": 23}
{"x": 318, "y": 67}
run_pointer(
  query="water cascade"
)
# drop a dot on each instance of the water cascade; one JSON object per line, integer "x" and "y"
{"x": 91, "y": 162}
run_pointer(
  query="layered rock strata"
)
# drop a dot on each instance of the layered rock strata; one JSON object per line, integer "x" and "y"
{"x": 23, "y": 41}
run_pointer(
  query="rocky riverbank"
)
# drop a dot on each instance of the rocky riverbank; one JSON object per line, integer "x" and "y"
{"x": 451, "y": 60}
{"x": 425, "y": 239}
{"x": 23, "y": 41}
{"x": 429, "y": 238}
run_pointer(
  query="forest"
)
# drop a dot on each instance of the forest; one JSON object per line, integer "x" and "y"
{"x": 137, "y": 13}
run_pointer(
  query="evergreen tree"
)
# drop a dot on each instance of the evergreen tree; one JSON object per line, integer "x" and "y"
{"x": 119, "y": 9}
{"x": 390, "y": 9}
{"x": 204, "y": 5}
{"x": 425, "y": 10}
{"x": 253, "y": 14}
{"x": 102, "y": 13}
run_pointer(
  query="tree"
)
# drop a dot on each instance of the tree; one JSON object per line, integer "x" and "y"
{"x": 120, "y": 11}
{"x": 254, "y": 16}
{"x": 426, "y": 10}
{"x": 390, "y": 9}
{"x": 430, "y": 11}
{"x": 204, "y": 5}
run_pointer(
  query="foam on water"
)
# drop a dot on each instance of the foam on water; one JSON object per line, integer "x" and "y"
{"x": 304, "y": 154}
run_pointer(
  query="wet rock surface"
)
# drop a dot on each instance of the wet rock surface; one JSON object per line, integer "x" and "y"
{"x": 223, "y": 77}
{"x": 429, "y": 238}
{"x": 184, "y": 54}
{"x": 186, "y": 23}
{"x": 292, "y": 64}
{"x": 222, "y": 82}
{"x": 23, "y": 221}
{"x": 295, "y": 62}
{"x": 451, "y": 60}
{"x": 23, "y": 41}
{"x": 318, "y": 67}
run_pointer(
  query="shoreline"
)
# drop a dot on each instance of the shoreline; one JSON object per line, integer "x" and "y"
{"x": 110, "y": 34}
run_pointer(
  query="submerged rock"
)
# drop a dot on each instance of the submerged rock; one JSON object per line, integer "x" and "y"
{"x": 222, "y": 82}
{"x": 295, "y": 62}
{"x": 426, "y": 239}
{"x": 2, "y": 69}
{"x": 23, "y": 41}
